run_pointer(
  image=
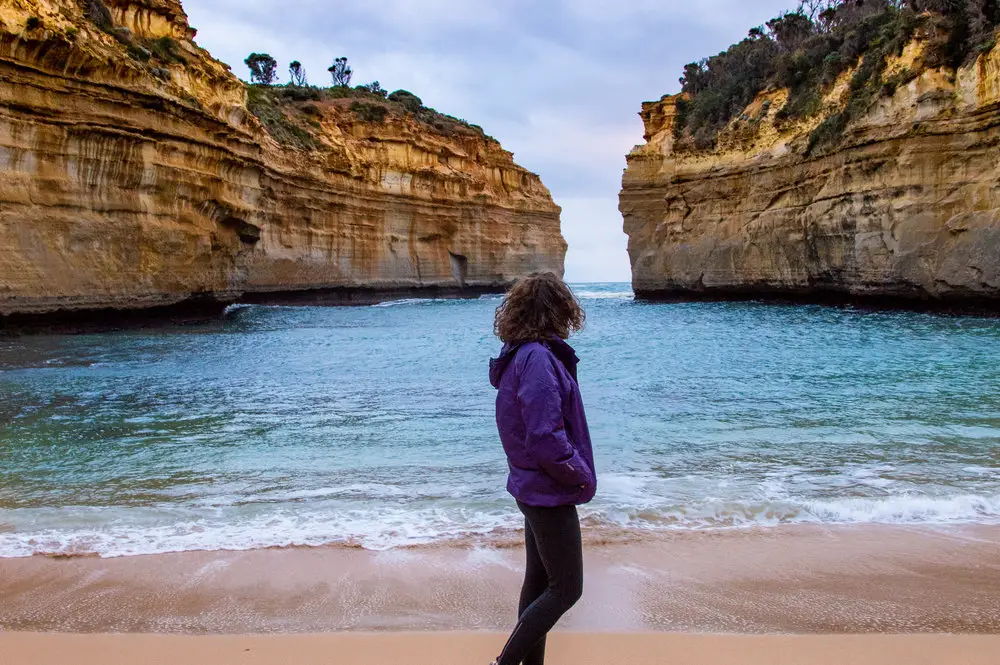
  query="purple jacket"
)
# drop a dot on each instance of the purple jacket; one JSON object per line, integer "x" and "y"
{"x": 542, "y": 424}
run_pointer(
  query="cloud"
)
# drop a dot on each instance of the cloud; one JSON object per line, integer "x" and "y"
{"x": 559, "y": 83}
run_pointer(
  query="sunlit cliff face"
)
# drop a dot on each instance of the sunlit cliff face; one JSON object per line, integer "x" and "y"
{"x": 134, "y": 175}
{"x": 904, "y": 205}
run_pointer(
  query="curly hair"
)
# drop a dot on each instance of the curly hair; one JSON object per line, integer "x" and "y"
{"x": 538, "y": 307}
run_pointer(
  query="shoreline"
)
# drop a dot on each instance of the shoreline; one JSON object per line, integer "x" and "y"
{"x": 466, "y": 648}
{"x": 505, "y": 539}
{"x": 794, "y": 580}
{"x": 977, "y": 306}
{"x": 207, "y": 308}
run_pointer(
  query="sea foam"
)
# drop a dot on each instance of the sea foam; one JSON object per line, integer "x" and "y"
{"x": 398, "y": 526}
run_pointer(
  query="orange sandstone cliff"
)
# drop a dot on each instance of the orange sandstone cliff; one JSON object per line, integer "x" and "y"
{"x": 905, "y": 207}
{"x": 133, "y": 175}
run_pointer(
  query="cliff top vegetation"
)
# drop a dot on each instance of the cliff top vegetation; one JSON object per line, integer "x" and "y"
{"x": 289, "y": 111}
{"x": 292, "y": 112}
{"x": 806, "y": 51}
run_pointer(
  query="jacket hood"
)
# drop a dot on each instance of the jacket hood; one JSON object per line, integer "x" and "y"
{"x": 499, "y": 365}
{"x": 559, "y": 348}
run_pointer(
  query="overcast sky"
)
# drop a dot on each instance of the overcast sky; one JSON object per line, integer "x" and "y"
{"x": 557, "y": 82}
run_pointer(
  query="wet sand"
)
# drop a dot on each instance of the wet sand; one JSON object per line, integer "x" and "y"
{"x": 792, "y": 580}
{"x": 480, "y": 648}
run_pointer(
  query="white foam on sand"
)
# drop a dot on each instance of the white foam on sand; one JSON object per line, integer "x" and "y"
{"x": 133, "y": 533}
{"x": 382, "y": 529}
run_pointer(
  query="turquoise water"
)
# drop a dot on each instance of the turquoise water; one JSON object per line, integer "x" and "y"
{"x": 373, "y": 426}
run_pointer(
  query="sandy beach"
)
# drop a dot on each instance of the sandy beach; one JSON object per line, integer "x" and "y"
{"x": 478, "y": 648}
{"x": 793, "y": 580}
{"x": 785, "y": 595}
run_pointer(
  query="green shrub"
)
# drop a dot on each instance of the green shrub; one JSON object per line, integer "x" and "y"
{"x": 339, "y": 92}
{"x": 828, "y": 131}
{"x": 166, "y": 49}
{"x": 264, "y": 104}
{"x": 891, "y": 84}
{"x": 138, "y": 52}
{"x": 374, "y": 89}
{"x": 369, "y": 112}
{"x": 407, "y": 100}
{"x": 833, "y": 65}
{"x": 297, "y": 93}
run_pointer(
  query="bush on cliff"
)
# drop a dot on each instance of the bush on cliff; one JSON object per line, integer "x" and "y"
{"x": 807, "y": 50}
{"x": 166, "y": 49}
{"x": 297, "y": 93}
{"x": 374, "y": 89}
{"x": 369, "y": 111}
{"x": 266, "y": 104}
{"x": 407, "y": 100}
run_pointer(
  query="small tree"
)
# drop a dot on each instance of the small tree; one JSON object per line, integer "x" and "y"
{"x": 695, "y": 77}
{"x": 298, "y": 73}
{"x": 814, "y": 8}
{"x": 263, "y": 68}
{"x": 790, "y": 30}
{"x": 341, "y": 72}
{"x": 828, "y": 19}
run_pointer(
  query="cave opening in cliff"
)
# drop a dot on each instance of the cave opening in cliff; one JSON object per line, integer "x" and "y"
{"x": 459, "y": 268}
{"x": 249, "y": 234}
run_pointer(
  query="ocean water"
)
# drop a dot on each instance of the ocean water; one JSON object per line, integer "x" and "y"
{"x": 373, "y": 426}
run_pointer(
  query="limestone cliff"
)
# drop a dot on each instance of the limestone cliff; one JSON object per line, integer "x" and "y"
{"x": 133, "y": 175}
{"x": 905, "y": 205}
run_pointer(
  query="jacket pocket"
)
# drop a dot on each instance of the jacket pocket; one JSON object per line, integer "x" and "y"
{"x": 580, "y": 470}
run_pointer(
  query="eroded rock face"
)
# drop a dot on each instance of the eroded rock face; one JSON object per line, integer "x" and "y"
{"x": 129, "y": 183}
{"x": 906, "y": 206}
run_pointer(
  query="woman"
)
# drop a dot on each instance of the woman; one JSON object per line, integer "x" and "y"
{"x": 544, "y": 433}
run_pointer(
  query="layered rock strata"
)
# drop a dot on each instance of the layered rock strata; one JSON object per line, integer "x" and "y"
{"x": 130, "y": 180}
{"x": 904, "y": 209}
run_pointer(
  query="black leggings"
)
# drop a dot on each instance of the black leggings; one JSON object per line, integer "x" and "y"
{"x": 553, "y": 580}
